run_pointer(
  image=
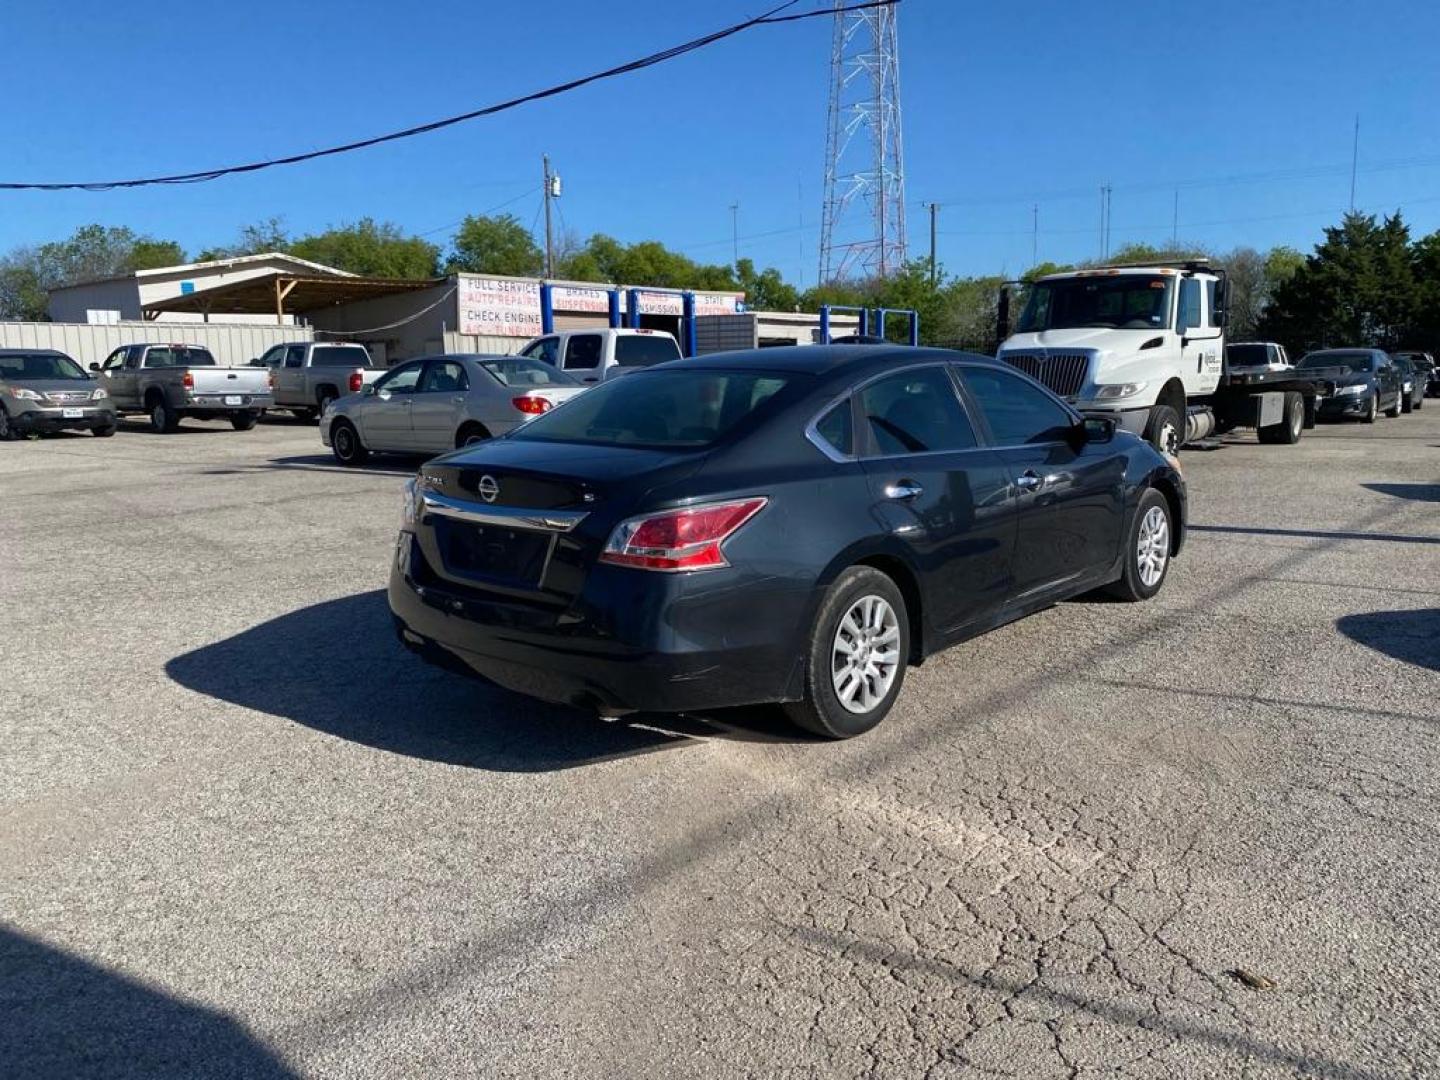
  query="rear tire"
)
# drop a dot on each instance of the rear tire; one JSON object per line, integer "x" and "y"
{"x": 470, "y": 434}
{"x": 1287, "y": 432}
{"x": 326, "y": 399}
{"x": 1165, "y": 431}
{"x": 305, "y": 415}
{"x": 163, "y": 419}
{"x": 243, "y": 421}
{"x": 1148, "y": 544}
{"x": 859, "y": 644}
{"x": 345, "y": 444}
{"x": 1394, "y": 410}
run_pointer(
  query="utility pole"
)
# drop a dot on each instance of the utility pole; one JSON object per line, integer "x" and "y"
{"x": 1354, "y": 162}
{"x": 934, "y": 209}
{"x": 1175, "y": 222}
{"x": 735, "y": 231}
{"x": 551, "y": 189}
{"x": 1034, "y": 235}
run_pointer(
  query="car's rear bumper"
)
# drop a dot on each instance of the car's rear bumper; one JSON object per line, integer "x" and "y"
{"x": 633, "y": 641}
{"x": 35, "y": 421}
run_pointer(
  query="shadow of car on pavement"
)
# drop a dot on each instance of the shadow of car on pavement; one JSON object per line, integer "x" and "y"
{"x": 337, "y": 667}
{"x": 1412, "y": 636}
{"x": 67, "y": 1017}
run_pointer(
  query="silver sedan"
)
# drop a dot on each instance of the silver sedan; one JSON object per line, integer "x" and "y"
{"x": 436, "y": 403}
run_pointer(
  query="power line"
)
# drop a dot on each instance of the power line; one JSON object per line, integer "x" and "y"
{"x": 771, "y": 17}
{"x": 483, "y": 213}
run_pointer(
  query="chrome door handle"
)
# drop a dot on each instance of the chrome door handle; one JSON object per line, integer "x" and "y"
{"x": 903, "y": 489}
{"x": 458, "y": 400}
{"x": 1027, "y": 480}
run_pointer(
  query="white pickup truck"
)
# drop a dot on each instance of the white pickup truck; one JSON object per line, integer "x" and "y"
{"x": 309, "y": 375}
{"x": 171, "y": 382}
{"x": 593, "y": 356}
{"x": 1145, "y": 346}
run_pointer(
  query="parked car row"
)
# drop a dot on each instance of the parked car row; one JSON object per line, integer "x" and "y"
{"x": 1361, "y": 383}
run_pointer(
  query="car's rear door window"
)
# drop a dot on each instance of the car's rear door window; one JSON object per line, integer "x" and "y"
{"x": 914, "y": 412}
{"x": 444, "y": 376}
{"x": 644, "y": 350}
{"x": 837, "y": 428}
{"x": 582, "y": 352}
{"x": 1017, "y": 410}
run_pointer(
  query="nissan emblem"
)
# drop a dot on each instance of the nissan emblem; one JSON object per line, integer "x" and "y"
{"x": 489, "y": 488}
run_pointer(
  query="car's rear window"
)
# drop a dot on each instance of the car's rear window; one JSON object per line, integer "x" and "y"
{"x": 672, "y": 409}
{"x": 1247, "y": 355}
{"x": 643, "y": 350}
{"x": 340, "y": 356}
{"x": 523, "y": 371}
{"x": 178, "y": 356}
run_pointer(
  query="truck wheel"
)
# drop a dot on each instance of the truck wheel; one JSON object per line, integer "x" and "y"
{"x": 7, "y": 430}
{"x": 345, "y": 444}
{"x": 1147, "y": 549}
{"x": 1374, "y": 410}
{"x": 1165, "y": 431}
{"x": 243, "y": 421}
{"x": 1287, "y": 432}
{"x": 856, "y": 659}
{"x": 326, "y": 399}
{"x": 163, "y": 419}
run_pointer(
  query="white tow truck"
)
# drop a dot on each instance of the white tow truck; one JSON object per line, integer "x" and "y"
{"x": 1145, "y": 346}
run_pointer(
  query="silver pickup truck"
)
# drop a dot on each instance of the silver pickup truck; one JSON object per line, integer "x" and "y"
{"x": 309, "y": 375}
{"x": 171, "y": 382}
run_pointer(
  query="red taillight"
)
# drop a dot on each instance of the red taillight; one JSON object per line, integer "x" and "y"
{"x": 187, "y": 380}
{"x": 357, "y": 380}
{"x": 532, "y": 406}
{"x": 686, "y": 539}
{"x": 270, "y": 378}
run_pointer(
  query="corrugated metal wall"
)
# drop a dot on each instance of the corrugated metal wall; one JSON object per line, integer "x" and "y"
{"x": 234, "y": 345}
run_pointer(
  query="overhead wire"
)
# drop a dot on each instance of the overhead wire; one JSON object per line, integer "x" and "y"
{"x": 770, "y": 17}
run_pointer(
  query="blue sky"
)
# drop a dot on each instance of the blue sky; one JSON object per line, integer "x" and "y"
{"x": 1005, "y": 106}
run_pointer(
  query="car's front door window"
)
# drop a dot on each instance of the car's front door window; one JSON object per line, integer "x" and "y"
{"x": 402, "y": 380}
{"x": 1017, "y": 411}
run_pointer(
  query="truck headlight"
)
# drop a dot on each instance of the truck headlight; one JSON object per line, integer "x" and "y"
{"x": 1111, "y": 391}
{"x": 1355, "y": 389}
{"x": 100, "y": 394}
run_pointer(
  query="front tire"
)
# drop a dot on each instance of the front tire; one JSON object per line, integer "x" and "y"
{"x": 105, "y": 431}
{"x": 345, "y": 444}
{"x": 1394, "y": 410}
{"x": 1374, "y": 410}
{"x": 856, "y": 656}
{"x": 1165, "y": 431}
{"x": 7, "y": 429}
{"x": 1407, "y": 403}
{"x": 243, "y": 421}
{"x": 163, "y": 419}
{"x": 1147, "y": 549}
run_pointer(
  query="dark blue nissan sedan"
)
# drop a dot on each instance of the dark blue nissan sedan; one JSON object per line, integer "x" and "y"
{"x": 788, "y": 525}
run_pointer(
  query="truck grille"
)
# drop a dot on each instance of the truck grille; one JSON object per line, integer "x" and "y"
{"x": 1063, "y": 373}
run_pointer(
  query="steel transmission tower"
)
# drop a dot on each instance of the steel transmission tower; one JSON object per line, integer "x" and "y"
{"x": 862, "y": 229}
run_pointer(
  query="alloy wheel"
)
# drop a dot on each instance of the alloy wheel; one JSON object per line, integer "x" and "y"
{"x": 865, "y": 654}
{"x": 1152, "y": 549}
{"x": 344, "y": 441}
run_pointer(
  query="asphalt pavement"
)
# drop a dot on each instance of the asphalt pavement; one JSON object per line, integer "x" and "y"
{"x": 243, "y": 834}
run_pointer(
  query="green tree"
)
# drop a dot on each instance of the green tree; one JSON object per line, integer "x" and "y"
{"x": 495, "y": 245}
{"x": 147, "y": 254}
{"x": 91, "y": 252}
{"x": 1357, "y": 288}
{"x": 22, "y": 293}
{"x": 376, "y": 249}
{"x": 766, "y": 290}
{"x": 255, "y": 239}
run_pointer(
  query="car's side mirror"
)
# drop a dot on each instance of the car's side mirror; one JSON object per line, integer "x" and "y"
{"x": 1098, "y": 429}
{"x": 368, "y": 389}
{"x": 94, "y": 367}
